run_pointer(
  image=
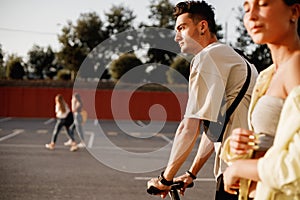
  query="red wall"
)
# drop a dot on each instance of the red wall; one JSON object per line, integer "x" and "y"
{"x": 39, "y": 103}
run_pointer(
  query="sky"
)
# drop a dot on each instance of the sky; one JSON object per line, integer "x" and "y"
{"x": 24, "y": 23}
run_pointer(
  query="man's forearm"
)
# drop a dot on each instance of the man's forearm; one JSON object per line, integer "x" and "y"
{"x": 206, "y": 148}
{"x": 183, "y": 144}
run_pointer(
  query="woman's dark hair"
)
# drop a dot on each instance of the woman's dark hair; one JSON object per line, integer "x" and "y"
{"x": 198, "y": 10}
{"x": 62, "y": 104}
{"x": 290, "y": 3}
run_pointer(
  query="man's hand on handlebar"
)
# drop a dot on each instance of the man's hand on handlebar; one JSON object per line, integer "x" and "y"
{"x": 155, "y": 187}
{"x": 186, "y": 179}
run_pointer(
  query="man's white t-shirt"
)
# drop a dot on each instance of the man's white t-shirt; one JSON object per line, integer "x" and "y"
{"x": 217, "y": 70}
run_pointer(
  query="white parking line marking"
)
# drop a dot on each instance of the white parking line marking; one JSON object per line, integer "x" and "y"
{"x": 49, "y": 121}
{"x": 91, "y": 140}
{"x": 198, "y": 179}
{"x": 165, "y": 138}
{"x": 112, "y": 133}
{"x": 140, "y": 123}
{"x": 5, "y": 119}
{"x": 14, "y": 133}
{"x": 42, "y": 131}
{"x": 96, "y": 122}
{"x": 135, "y": 134}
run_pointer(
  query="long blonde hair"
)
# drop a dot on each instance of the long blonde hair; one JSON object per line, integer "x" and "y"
{"x": 61, "y": 103}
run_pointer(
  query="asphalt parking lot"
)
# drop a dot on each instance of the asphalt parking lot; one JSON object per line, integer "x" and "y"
{"x": 119, "y": 159}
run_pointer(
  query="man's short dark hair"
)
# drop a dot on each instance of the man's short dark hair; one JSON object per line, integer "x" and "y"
{"x": 197, "y": 10}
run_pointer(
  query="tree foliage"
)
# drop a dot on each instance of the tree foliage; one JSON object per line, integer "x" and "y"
{"x": 244, "y": 41}
{"x": 163, "y": 47}
{"x": 89, "y": 30}
{"x": 73, "y": 51}
{"x": 40, "y": 59}
{"x": 119, "y": 19}
{"x": 219, "y": 33}
{"x": 2, "y": 68}
{"x": 15, "y": 68}
{"x": 261, "y": 57}
{"x": 1, "y": 56}
{"x": 64, "y": 75}
{"x": 161, "y": 14}
{"x": 79, "y": 40}
{"x": 181, "y": 65}
{"x": 121, "y": 67}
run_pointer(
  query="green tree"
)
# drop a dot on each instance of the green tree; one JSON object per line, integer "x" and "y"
{"x": 119, "y": 19}
{"x": 40, "y": 59}
{"x": 15, "y": 68}
{"x": 163, "y": 49}
{"x": 261, "y": 57}
{"x": 90, "y": 30}
{"x": 181, "y": 65}
{"x": 161, "y": 14}
{"x": 219, "y": 29}
{"x": 244, "y": 41}
{"x": 73, "y": 51}
{"x": 123, "y": 66}
{"x": 64, "y": 75}
{"x": 80, "y": 39}
{"x": 1, "y": 56}
{"x": 2, "y": 68}
{"x": 119, "y": 26}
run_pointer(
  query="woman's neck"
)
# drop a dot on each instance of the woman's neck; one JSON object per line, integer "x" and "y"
{"x": 281, "y": 53}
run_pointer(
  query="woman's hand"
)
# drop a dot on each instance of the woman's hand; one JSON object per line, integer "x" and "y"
{"x": 242, "y": 141}
{"x": 231, "y": 181}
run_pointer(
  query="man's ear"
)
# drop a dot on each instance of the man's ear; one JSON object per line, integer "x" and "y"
{"x": 202, "y": 27}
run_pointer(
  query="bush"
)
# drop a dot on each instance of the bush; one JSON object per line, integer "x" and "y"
{"x": 123, "y": 65}
{"x": 64, "y": 75}
{"x": 14, "y": 68}
{"x": 181, "y": 65}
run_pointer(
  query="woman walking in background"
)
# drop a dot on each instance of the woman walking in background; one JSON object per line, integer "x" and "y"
{"x": 77, "y": 124}
{"x": 64, "y": 119}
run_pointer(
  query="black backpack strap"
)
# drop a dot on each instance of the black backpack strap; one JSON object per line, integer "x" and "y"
{"x": 236, "y": 101}
{"x": 221, "y": 124}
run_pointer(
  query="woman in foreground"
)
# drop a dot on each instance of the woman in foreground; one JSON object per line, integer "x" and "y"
{"x": 273, "y": 143}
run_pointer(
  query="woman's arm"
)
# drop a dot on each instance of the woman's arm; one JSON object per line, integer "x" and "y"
{"x": 280, "y": 167}
{"x": 246, "y": 169}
